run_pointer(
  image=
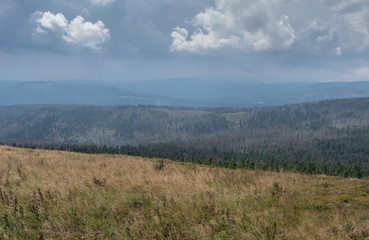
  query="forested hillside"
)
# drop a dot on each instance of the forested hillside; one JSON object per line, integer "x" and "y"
{"x": 333, "y": 132}
{"x": 223, "y": 127}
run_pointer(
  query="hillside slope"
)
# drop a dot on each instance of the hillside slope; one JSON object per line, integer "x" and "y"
{"x": 227, "y": 127}
{"x": 328, "y": 137}
{"x": 62, "y": 195}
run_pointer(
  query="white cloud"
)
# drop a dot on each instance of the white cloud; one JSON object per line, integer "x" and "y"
{"x": 86, "y": 34}
{"x": 338, "y": 51}
{"x": 331, "y": 27}
{"x": 241, "y": 24}
{"x": 101, "y": 2}
{"x": 53, "y": 22}
{"x": 286, "y": 34}
{"x": 199, "y": 41}
{"x": 78, "y": 31}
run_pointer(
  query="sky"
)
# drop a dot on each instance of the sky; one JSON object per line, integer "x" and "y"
{"x": 131, "y": 40}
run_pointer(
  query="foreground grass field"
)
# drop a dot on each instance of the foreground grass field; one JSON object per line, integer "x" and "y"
{"x": 62, "y": 195}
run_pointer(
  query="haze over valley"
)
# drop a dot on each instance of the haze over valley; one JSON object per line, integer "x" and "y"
{"x": 176, "y": 92}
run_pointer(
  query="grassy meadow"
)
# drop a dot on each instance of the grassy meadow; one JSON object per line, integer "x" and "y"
{"x": 63, "y": 195}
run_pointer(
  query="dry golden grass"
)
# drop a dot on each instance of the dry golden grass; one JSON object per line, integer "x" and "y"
{"x": 62, "y": 195}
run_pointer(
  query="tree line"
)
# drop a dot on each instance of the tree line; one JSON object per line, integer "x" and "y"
{"x": 347, "y": 157}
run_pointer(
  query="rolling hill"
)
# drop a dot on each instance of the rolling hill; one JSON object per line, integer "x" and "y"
{"x": 330, "y": 137}
{"x": 63, "y": 195}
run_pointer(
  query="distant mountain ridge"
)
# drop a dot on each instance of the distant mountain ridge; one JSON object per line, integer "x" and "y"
{"x": 330, "y": 137}
{"x": 176, "y": 92}
{"x": 119, "y": 125}
{"x": 65, "y": 92}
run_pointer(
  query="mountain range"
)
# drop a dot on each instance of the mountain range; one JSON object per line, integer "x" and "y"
{"x": 175, "y": 92}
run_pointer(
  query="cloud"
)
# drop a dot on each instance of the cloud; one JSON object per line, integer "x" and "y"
{"x": 101, "y": 2}
{"x": 351, "y": 19}
{"x": 318, "y": 37}
{"x": 52, "y": 22}
{"x": 332, "y": 27}
{"x": 86, "y": 34}
{"x": 346, "y": 5}
{"x": 240, "y": 24}
{"x": 338, "y": 51}
{"x": 361, "y": 73}
{"x": 78, "y": 32}
{"x": 321, "y": 32}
